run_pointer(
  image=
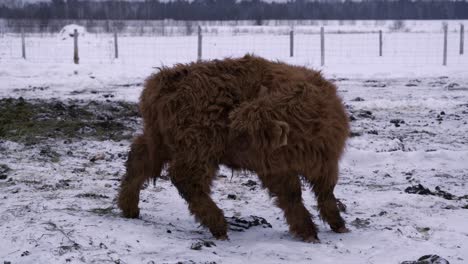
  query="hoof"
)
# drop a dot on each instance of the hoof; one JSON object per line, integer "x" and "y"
{"x": 220, "y": 234}
{"x": 223, "y": 237}
{"x": 313, "y": 240}
{"x": 131, "y": 213}
{"x": 341, "y": 230}
{"x": 309, "y": 237}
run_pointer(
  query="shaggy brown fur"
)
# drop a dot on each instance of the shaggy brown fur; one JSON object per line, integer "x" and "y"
{"x": 278, "y": 120}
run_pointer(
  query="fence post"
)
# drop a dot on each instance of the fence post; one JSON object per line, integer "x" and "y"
{"x": 76, "y": 58}
{"x": 380, "y": 43}
{"x": 199, "y": 43}
{"x": 462, "y": 38}
{"x": 322, "y": 46}
{"x": 23, "y": 44}
{"x": 116, "y": 45}
{"x": 444, "y": 62}
{"x": 291, "y": 43}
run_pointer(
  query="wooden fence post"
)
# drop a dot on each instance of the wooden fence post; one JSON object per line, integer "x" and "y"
{"x": 23, "y": 44}
{"x": 444, "y": 61}
{"x": 462, "y": 38}
{"x": 116, "y": 45}
{"x": 291, "y": 43}
{"x": 322, "y": 46}
{"x": 199, "y": 55}
{"x": 76, "y": 57}
{"x": 380, "y": 43}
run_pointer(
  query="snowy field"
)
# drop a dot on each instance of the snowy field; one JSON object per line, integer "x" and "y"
{"x": 66, "y": 130}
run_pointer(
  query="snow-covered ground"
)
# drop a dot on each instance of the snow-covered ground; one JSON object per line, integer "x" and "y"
{"x": 409, "y": 127}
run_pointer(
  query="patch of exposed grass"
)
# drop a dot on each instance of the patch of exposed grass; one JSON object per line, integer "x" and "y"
{"x": 30, "y": 121}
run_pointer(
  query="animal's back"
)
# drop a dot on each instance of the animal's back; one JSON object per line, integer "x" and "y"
{"x": 199, "y": 101}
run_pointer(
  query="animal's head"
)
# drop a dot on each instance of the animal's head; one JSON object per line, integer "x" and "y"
{"x": 252, "y": 128}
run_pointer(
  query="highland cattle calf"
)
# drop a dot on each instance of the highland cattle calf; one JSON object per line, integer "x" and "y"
{"x": 280, "y": 121}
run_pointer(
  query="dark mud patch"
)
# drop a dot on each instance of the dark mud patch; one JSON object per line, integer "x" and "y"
{"x": 428, "y": 259}
{"x": 201, "y": 244}
{"x": 420, "y": 189}
{"x": 4, "y": 170}
{"x": 241, "y": 224}
{"x": 92, "y": 196}
{"x": 31, "y": 121}
{"x": 374, "y": 83}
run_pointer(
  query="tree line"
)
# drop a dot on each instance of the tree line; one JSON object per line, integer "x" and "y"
{"x": 238, "y": 10}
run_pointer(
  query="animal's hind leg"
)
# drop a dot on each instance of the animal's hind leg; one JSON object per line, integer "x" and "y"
{"x": 139, "y": 169}
{"x": 287, "y": 191}
{"x": 193, "y": 183}
{"x": 323, "y": 186}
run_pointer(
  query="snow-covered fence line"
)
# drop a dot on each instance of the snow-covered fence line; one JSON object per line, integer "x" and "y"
{"x": 170, "y": 27}
{"x": 316, "y": 48}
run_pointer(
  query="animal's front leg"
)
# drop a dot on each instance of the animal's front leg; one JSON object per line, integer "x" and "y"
{"x": 193, "y": 182}
{"x": 139, "y": 170}
{"x": 286, "y": 188}
{"x": 324, "y": 182}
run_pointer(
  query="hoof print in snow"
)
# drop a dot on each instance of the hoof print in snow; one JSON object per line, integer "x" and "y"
{"x": 414, "y": 82}
{"x": 455, "y": 87}
{"x": 420, "y": 189}
{"x": 4, "y": 169}
{"x": 25, "y": 253}
{"x": 240, "y": 224}
{"x": 63, "y": 184}
{"x": 99, "y": 156}
{"x": 338, "y": 79}
{"x": 92, "y": 196}
{"x": 363, "y": 114}
{"x": 397, "y": 122}
{"x": 428, "y": 259}
{"x": 358, "y": 99}
{"x": 355, "y": 134}
{"x": 382, "y": 213}
{"x": 203, "y": 243}
{"x": 374, "y": 83}
{"x": 360, "y": 223}
{"x": 232, "y": 197}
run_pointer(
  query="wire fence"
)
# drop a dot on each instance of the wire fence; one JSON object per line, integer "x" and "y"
{"x": 316, "y": 47}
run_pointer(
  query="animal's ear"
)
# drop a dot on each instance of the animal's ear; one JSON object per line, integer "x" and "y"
{"x": 262, "y": 91}
{"x": 280, "y": 134}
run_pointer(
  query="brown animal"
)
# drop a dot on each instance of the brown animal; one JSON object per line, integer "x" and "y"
{"x": 278, "y": 120}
